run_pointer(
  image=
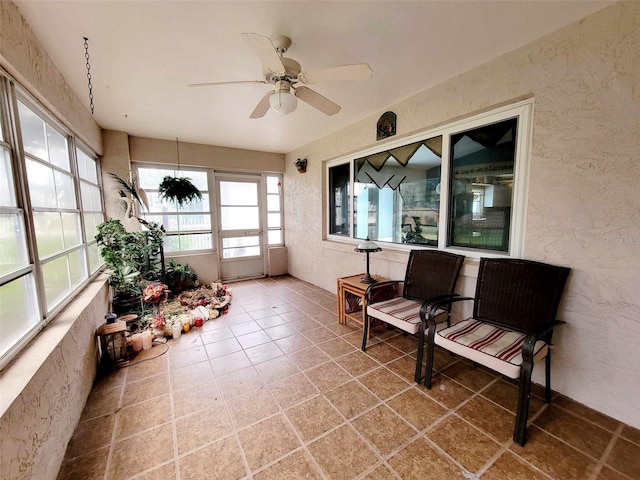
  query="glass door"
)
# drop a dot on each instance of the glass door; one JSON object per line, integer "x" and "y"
{"x": 240, "y": 228}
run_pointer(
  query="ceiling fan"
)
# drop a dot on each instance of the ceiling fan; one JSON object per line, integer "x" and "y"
{"x": 285, "y": 74}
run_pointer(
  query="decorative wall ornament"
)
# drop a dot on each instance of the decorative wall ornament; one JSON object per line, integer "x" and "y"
{"x": 386, "y": 126}
{"x": 301, "y": 165}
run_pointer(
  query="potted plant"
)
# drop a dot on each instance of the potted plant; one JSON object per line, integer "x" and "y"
{"x": 176, "y": 275}
{"x": 131, "y": 259}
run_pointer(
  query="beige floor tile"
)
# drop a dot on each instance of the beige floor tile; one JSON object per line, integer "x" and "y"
{"x": 383, "y": 383}
{"x": 489, "y": 417}
{"x": 293, "y": 343}
{"x": 245, "y": 328}
{"x": 336, "y": 347}
{"x": 271, "y": 321}
{"x": 554, "y": 457}
{"x": 109, "y": 380}
{"x": 625, "y": 458}
{"x": 229, "y": 363}
{"x": 147, "y": 369}
{"x": 267, "y": 441}
{"x": 143, "y": 416}
{"x": 240, "y": 382}
{"x": 352, "y": 399}
{"x": 505, "y": 394}
{"x": 90, "y": 435}
{"x": 586, "y": 413}
{"x": 254, "y": 338}
{"x": 188, "y": 376}
{"x": 342, "y": 454}
{"x": 631, "y": 433}
{"x": 102, "y": 402}
{"x": 164, "y": 472}
{"x": 383, "y": 429}
{"x": 382, "y": 472}
{"x": 276, "y": 369}
{"x": 203, "y": 427}
{"x": 223, "y": 332}
{"x": 470, "y": 447}
{"x": 280, "y": 331}
{"x": 328, "y": 376}
{"x": 512, "y": 467}
{"x": 405, "y": 367}
{"x": 342, "y": 329}
{"x": 609, "y": 474}
{"x": 309, "y": 358}
{"x": 262, "y": 313}
{"x": 222, "y": 347}
{"x": 198, "y": 397}
{"x": 182, "y": 358}
{"x": 252, "y": 407}
{"x": 87, "y": 467}
{"x": 583, "y": 435}
{"x": 384, "y": 353}
{"x": 418, "y": 409}
{"x": 313, "y": 417}
{"x": 404, "y": 343}
{"x": 446, "y": 391}
{"x": 141, "y": 452}
{"x": 293, "y": 390}
{"x": 221, "y": 460}
{"x": 142, "y": 390}
{"x": 357, "y": 363}
{"x": 305, "y": 324}
{"x": 262, "y": 353}
{"x": 420, "y": 460}
{"x": 296, "y": 466}
{"x": 466, "y": 374}
{"x": 318, "y": 335}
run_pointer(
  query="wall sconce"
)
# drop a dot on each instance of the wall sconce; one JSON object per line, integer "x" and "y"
{"x": 367, "y": 247}
{"x": 301, "y": 165}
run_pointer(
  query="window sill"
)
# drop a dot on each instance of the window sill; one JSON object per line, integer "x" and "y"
{"x": 18, "y": 374}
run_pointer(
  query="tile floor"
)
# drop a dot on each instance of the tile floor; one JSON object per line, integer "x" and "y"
{"x": 276, "y": 389}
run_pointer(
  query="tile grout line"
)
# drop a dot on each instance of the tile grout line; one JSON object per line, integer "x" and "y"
{"x": 116, "y": 423}
{"x": 607, "y": 451}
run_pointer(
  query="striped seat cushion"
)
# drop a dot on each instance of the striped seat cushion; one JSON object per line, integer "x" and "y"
{"x": 400, "y": 312}
{"x": 489, "y": 345}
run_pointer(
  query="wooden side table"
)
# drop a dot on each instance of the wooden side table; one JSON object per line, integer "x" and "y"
{"x": 351, "y": 301}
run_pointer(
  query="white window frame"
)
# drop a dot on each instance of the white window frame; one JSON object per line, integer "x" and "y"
{"x": 523, "y": 110}
{"x": 10, "y": 93}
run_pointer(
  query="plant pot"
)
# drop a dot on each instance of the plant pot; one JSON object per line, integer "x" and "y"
{"x": 125, "y": 303}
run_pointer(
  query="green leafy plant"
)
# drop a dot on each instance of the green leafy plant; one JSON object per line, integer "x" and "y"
{"x": 179, "y": 190}
{"x": 177, "y": 274}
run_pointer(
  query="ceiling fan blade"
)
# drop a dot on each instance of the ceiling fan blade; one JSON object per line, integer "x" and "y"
{"x": 316, "y": 100}
{"x": 239, "y": 82}
{"x": 359, "y": 71}
{"x": 263, "y": 106}
{"x": 263, "y": 46}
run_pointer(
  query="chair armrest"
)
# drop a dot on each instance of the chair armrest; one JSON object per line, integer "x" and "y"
{"x": 430, "y": 307}
{"x": 374, "y": 286}
{"x": 532, "y": 338}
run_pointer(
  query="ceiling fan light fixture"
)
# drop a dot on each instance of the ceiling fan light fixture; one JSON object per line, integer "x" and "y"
{"x": 283, "y": 101}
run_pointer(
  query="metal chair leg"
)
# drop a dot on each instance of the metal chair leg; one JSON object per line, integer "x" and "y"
{"x": 547, "y": 372}
{"x": 430, "y": 356}
{"x": 522, "y": 414}
{"x": 365, "y": 331}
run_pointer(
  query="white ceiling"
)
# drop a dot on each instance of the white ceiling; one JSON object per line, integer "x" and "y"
{"x": 144, "y": 53}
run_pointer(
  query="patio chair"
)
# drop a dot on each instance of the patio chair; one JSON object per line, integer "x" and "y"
{"x": 430, "y": 275}
{"x": 514, "y": 313}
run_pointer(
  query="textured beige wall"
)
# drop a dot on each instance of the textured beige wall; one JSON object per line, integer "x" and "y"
{"x": 583, "y": 205}
{"x": 45, "y": 388}
{"x": 23, "y": 56}
{"x": 152, "y": 150}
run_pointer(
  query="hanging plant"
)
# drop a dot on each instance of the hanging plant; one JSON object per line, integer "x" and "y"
{"x": 179, "y": 190}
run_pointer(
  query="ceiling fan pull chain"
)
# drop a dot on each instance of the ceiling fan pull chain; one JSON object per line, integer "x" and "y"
{"x": 86, "y": 56}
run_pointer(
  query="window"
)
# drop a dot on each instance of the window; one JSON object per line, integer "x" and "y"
{"x": 188, "y": 227}
{"x": 458, "y": 187}
{"x": 47, "y": 251}
{"x": 274, "y": 210}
